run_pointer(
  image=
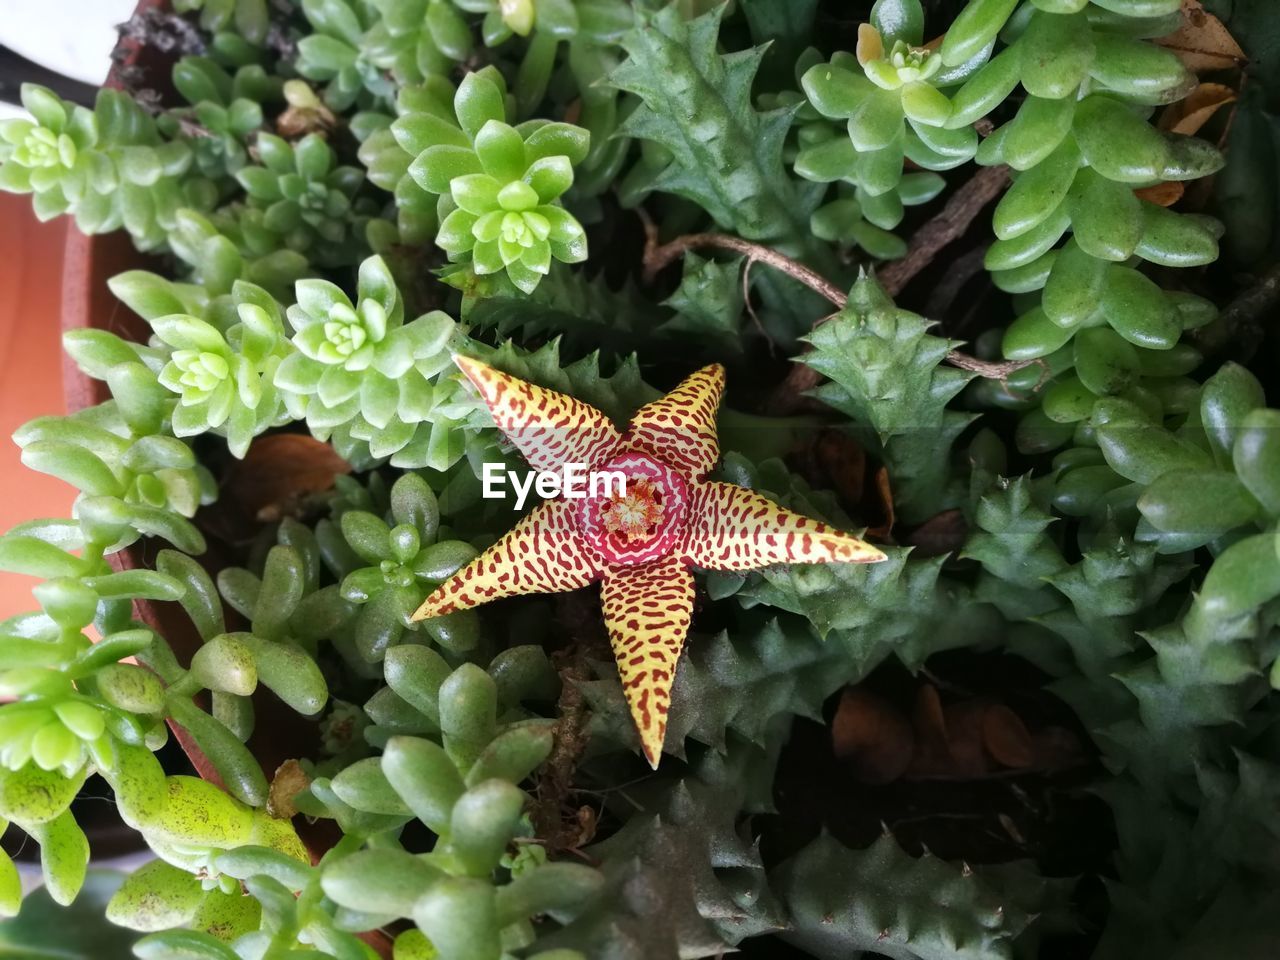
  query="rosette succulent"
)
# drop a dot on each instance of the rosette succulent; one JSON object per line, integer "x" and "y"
{"x": 363, "y": 375}
{"x": 225, "y": 382}
{"x": 108, "y": 166}
{"x": 892, "y": 78}
{"x": 335, "y": 53}
{"x": 499, "y": 185}
{"x": 225, "y": 110}
{"x": 42, "y": 154}
{"x": 302, "y": 198}
{"x": 404, "y": 559}
{"x": 418, "y": 39}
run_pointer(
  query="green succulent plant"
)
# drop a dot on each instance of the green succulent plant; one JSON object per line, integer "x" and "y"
{"x": 359, "y": 368}
{"x": 499, "y": 185}
{"x": 401, "y": 564}
{"x": 225, "y": 111}
{"x": 215, "y": 260}
{"x": 335, "y": 53}
{"x": 387, "y": 162}
{"x": 855, "y": 217}
{"x": 1090, "y": 488}
{"x": 304, "y": 199}
{"x": 891, "y": 79}
{"x": 40, "y": 153}
{"x": 460, "y": 783}
{"x": 249, "y": 18}
{"x": 108, "y": 167}
{"x": 418, "y": 40}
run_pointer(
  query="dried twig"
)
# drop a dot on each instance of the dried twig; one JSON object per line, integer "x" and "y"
{"x": 657, "y": 256}
{"x": 996, "y": 369}
{"x": 948, "y": 225}
{"x": 802, "y": 378}
{"x": 951, "y": 222}
{"x": 555, "y": 783}
{"x": 1240, "y": 327}
{"x": 959, "y": 272}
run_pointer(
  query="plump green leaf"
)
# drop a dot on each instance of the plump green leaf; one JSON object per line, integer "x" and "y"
{"x": 379, "y": 881}
{"x": 156, "y": 896}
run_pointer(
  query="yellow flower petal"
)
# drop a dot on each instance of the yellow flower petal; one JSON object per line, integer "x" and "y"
{"x": 647, "y": 610}
{"x": 541, "y": 554}
{"x": 732, "y": 528}
{"x": 551, "y": 429}
{"x": 680, "y": 428}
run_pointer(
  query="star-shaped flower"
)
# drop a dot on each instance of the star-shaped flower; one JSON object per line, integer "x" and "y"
{"x": 640, "y": 543}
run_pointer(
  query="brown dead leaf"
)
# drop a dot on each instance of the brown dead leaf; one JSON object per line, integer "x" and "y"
{"x": 930, "y": 725}
{"x": 1189, "y": 115}
{"x": 944, "y": 532}
{"x": 873, "y": 735}
{"x": 294, "y": 123}
{"x": 968, "y": 760}
{"x": 870, "y": 44}
{"x": 1164, "y": 194}
{"x": 587, "y": 824}
{"x": 1006, "y": 738}
{"x": 280, "y": 472}
{"x": 289, "y": 781}
{"x": 1203, "y": 42}
{"x": 844, "y": 463}
{"x": 884, "y": 491}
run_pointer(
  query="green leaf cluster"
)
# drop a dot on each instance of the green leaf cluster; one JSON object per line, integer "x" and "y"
{"x": 454, "y": 745}
{"x": 108, "y": 167}
{"x": 891, "y": 96}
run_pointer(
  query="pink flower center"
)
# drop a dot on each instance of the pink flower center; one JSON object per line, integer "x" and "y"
{"x": 641, "y": 523}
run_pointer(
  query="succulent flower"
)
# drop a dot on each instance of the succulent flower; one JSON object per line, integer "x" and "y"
{"x": 304, "y": 199}
{"x": 363, "y": 372}
{"x": 499, "y": 185}
{"x": 640, "y": 541}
